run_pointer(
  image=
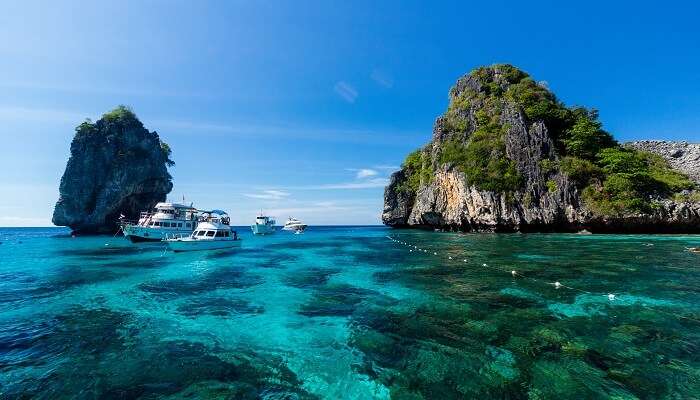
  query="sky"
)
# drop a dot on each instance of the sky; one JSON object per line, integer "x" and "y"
{"x": 304, "y": 108}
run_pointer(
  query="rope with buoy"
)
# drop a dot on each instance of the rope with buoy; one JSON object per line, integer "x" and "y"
{"x": 556, "y": 284}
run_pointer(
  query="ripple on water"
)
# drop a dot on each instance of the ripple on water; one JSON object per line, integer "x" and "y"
{"x": 221, "y": 278}
{"x": 469, "y": 332}
{"x": 309, "y": 277}
{"x": 100, "y": 353}
{"x": 219, "y": 306}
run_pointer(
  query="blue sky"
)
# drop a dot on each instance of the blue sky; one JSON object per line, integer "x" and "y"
{"x": 304, "y": 108}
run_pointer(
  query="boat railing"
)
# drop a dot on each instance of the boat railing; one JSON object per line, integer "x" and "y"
{"x": 127, "y": 222}
{"x": 175, "y": 236}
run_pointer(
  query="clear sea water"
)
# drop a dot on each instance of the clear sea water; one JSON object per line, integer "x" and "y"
{"x": 348, "y": 313}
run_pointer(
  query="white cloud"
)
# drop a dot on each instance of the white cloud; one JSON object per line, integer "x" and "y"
{"x": 362, "y": 173}
{"x": 24, "y": 221}
{"x": 41, "y": 114}
{"x": 268, "y": 195}
{"x": 387, "y": 167}
{"x": 366, "y": 173}
{"x": 345, "y": 91}
{"x": 196, "y": 128}
{"x": 96, "y": 88}
{"x": 314, "y": 208}
{"x": 382, "y": 79}
{"x": 362, "y": 184}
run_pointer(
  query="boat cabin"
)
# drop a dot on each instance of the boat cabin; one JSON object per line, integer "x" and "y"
{"x": 219, "y": 233}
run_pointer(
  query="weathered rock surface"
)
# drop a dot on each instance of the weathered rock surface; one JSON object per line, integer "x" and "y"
{"x": 116, "y": 167}
{"x": 547, "y": 201}
{"x": 682, "y": 156}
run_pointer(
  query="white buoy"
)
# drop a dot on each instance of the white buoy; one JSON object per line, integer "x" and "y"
{"x": 434, "y": 253}
{"x": 611, "y": 297}
{"x": 106, "y": 244}
{"x": 557, "y": 285}
{"x": 450, "y": 257}
{"x": 484, "y": 265}
{"x": 410, "y": 251}
{"x": 465, "y": 260}
{"x": 513, "y": 272}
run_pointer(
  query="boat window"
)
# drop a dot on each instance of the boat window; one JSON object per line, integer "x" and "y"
{"x": 219, "y": 233}
{"x": 201, "y": 233}
{"x": 210, "y": 233}
{"x": 188, "y": 225}
{"x": 157, "y": 223}
{"x": 226, "y": 234}
{"x": 179, "y": 224}
{"x": 166, "y": 224}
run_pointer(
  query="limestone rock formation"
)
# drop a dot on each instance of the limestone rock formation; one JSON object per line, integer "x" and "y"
{"x": 682, "y": 156}
{"x": 508, "y": 156}
{"x": 116, "y": 167}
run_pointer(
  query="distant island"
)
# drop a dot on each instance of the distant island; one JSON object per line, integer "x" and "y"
{"x": 508, "y": 156}
{"x": 116, "y": 167}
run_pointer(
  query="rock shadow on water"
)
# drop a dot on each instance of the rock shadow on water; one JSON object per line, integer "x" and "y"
{"x": 309, "y": 278}
{"x": 218, "y": 306}
{"x": 29, "y": 288}
{"x": 340, "y": 300}
{"x": 102, "y": 355}
{"x": 262, "y": 259}
{"x": 110, "y": 251}
{"x": 77, "y": 332}
{"x": 221, "y": 278}
{"x": 305, "y": 245}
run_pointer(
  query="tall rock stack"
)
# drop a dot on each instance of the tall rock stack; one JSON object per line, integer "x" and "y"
{"x": 116, "y": 167}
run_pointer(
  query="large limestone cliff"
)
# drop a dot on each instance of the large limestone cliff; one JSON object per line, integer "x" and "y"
{"x": 507, "y": 156}
{"x": 116, "y": 167}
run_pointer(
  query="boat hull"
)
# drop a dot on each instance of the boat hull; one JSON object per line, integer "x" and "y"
{"x": 295, "y": 228}
{"x": 262, "y": 229}
{"x": 141, "y": 239}
{"x": 138, "y": 234}
{"x": 198, "y": 245}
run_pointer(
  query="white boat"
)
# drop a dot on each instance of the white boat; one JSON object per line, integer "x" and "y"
{"x": 294, "y": 225}
{"x": 213, "y": 232}
{"x": 165, "y": 219}
{"x": 263, "y": 225}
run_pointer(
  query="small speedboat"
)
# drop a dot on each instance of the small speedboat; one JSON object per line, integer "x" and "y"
{"x": 213, "y": 232}
{"x": 294, "y": 225}
{"x": 263, "y": 225}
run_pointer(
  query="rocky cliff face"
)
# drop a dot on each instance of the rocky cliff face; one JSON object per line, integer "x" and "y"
{"x": 497, "y": 162}
{"x": 683, "y": 156}
{"x": 116, "y": 167}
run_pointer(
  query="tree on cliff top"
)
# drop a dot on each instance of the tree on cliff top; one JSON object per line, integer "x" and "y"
{"x": 122, "y": 115}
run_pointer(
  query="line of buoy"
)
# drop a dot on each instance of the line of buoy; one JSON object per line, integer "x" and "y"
{"x": 556, "y": 284}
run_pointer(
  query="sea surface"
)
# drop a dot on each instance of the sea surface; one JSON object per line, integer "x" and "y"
{"x": 351, "y": 313}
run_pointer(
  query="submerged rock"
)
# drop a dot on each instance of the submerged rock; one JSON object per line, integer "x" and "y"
{"x": 508, "y": 156}
{"x": 116, "y": 167}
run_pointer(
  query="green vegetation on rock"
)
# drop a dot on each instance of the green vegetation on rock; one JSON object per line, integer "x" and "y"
{"x": 630, "y": 180}
{"x": 419, "y": 169}
{"x": 120, "y": 113}
{"x": 613, "y": 180}
{"x": 167, "y": 152}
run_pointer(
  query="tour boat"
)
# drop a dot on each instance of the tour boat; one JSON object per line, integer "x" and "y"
{"x": 295, "y": 225}
{"x": 213, "y": 232}
{"x": 165, "y": 219}
{"x": 263, "y": 225}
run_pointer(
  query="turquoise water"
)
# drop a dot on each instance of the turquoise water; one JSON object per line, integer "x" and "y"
{"x": 354, "y": 313}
